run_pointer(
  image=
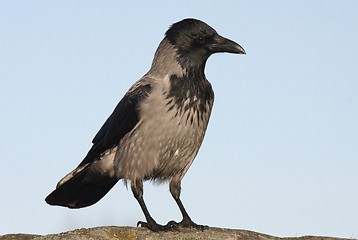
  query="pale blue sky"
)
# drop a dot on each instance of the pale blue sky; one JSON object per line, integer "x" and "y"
{"x": 281, "y": 152}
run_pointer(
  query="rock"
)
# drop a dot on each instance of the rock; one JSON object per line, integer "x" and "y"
{"x": 133, "y": 233}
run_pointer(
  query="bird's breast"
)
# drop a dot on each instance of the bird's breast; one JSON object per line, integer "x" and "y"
{"x": 168, "y": 136}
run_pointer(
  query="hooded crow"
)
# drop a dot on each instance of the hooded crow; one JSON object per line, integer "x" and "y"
{"x": 156, "y": 130}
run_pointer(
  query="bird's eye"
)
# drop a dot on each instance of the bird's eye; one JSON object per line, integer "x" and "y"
{"x": 200, "y": 40}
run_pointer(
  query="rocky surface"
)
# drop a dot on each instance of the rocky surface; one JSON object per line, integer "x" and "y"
{"x": 133, "y": 233}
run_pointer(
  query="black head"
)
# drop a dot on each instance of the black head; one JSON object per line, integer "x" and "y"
{"x": 197, "y": 40}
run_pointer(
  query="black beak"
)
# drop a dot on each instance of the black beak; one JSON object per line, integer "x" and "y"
{"x": 222, "y": 44}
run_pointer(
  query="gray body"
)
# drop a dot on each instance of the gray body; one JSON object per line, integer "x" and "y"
{"x": 164, "y": 143}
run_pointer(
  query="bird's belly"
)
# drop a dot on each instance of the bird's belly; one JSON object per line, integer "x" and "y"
{"x": 160, "y": 149}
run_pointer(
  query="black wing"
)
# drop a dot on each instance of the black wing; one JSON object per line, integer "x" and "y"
{"x": 122, "y": 120}
{"x": 84, "y": 186}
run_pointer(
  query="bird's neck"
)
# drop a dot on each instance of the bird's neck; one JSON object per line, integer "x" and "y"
{"x": 186, "y": 76}
{"x": 165, "y": 61}
{"x": 169, "y": 60}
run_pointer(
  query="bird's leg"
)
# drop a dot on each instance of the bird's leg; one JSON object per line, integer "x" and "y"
{"x": 137, "y": 189}
{"x": 186, "y": 222}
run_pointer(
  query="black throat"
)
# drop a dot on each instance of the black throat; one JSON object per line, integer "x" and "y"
{"x": 191, "y": 92}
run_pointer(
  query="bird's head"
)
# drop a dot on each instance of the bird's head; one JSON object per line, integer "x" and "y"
{"x": 195, "y": 41}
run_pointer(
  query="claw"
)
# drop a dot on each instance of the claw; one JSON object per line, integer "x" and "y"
{"x": 188, "y": 223}
{"x": 173, "y": 226}
{"x": 142, "y": 224}
{"x": 153, "y": 226}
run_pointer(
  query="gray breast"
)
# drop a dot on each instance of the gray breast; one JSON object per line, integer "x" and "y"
{"x": 167, "y": 138}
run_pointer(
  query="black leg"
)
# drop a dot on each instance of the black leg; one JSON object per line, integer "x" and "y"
{"x": 186, "y": 222}
{"x": 137, "y": 189}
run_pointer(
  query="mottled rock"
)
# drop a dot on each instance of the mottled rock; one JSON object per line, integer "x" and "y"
{"x": 133, "y": 233}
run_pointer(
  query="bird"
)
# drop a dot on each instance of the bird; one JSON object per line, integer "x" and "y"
{"x": 155, "y": 131}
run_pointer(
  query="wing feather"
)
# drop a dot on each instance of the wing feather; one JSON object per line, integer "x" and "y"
{"x": 122, "y": 120}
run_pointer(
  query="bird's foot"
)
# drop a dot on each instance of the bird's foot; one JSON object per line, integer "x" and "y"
{"x": 155, "y": 227}
{"x": 171, "y": 226}
{"x": 185, "y": 223}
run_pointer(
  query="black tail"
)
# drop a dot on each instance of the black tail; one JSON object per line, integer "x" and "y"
{"x": 84, "y": 189}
